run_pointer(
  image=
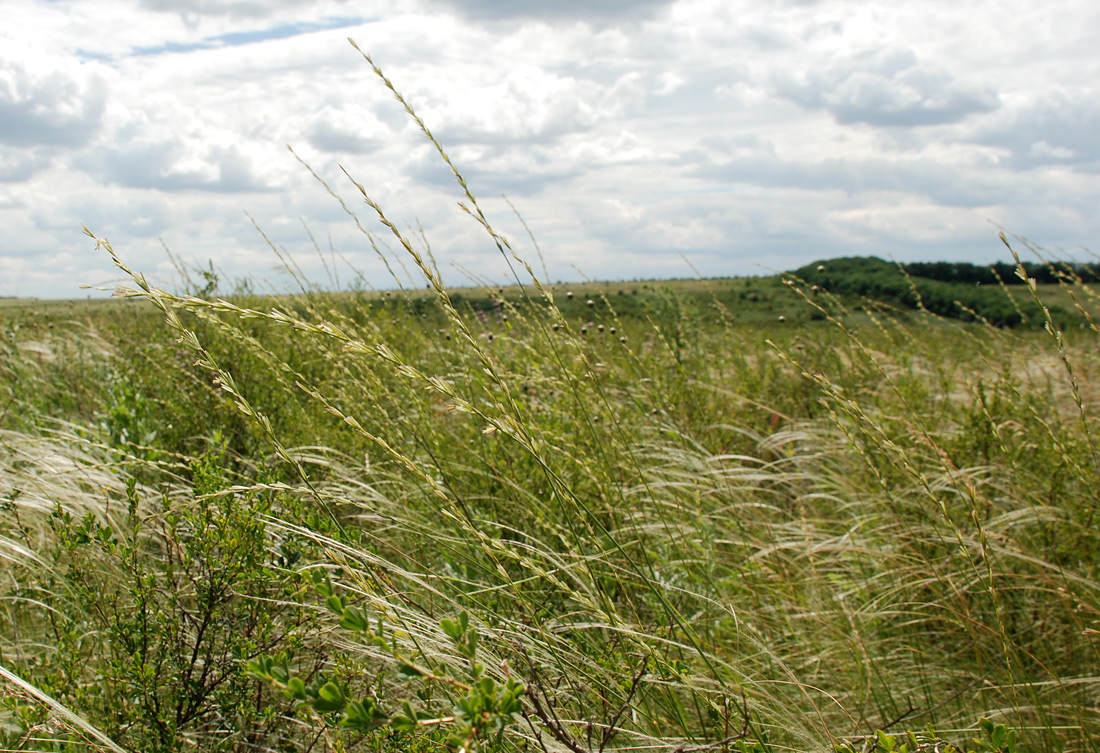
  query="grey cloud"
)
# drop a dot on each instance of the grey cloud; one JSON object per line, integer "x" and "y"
{"x": 1059, "y": 129}
{"x": 516, "y": 171}
{"x": 888, "y": 88}
{"x": 645, "y": 230}
{"x": 139, "y": 218}
{"x": 18, "y": 165}
{"x": 232, "y": 8}
{"x": 753, "y": 162}
{"x": 54, "y": 109}
{"x": 345, "y": 128}
{"x": 765, "y": 38}
{"x": 329, "y": 137}
{"x": 155, "y": 164}
{"x": 598, "y": 12}
{"x": 528, "y": 122}
{"x": 535, "y": 109}
{"x": 755, "y": 233}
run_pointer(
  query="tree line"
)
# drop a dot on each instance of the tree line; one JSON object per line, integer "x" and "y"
{"x": 957, "y": 290}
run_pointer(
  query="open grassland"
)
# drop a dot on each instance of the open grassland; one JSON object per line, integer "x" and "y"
{"x": 752, "y": 515}
{"x": 673, "y": 521}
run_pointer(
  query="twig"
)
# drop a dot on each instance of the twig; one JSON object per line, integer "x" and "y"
{"x": 611, "y": 730}
{"x": 726, "y": 741}
{"x": 904, "y": 715}
{"x": 552, "y": 724}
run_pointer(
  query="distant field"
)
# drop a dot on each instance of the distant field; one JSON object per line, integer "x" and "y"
{"x": 755, "y": 299}
{"x": 691, "y": 515}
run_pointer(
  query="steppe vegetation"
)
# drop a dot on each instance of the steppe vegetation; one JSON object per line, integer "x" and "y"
{"x": 756, "y": 515}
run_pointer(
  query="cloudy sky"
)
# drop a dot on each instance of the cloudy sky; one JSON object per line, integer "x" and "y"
{"x": 742, "y": 136}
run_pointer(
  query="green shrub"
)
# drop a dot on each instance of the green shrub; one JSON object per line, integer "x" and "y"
{"x": 151, "y": 611}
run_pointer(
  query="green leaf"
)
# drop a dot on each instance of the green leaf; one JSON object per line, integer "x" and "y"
{"x": 402, "y": 723}
{"x": 322, "y": 583}
{"x": 363, "y": 716}
{"x": 453, "y": 631}
{"x": 471, "y": 645}
{"x": 354, "y": 619}
{"x": 998, "y": 735}
{"x": 329, "y": 698}
{"x": 463, "y": 709}
{"x": 280, "y": 672}
{"x": 260, "y": 668}
{"x": 296, "y": 688}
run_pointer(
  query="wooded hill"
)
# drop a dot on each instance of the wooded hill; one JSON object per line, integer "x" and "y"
{"x": 957, "y": 290}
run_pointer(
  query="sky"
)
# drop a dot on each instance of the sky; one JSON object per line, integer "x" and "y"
{"x": 636, "y": 139}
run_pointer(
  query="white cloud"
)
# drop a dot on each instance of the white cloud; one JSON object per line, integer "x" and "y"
{"x": 45, "y": 100}
{"x": 888, "y": 88}
{"x": 168, "y": 148}
{"x": 592, "y": 11}
{"x": 248, "y": 9}
{"x": 524, "y": 104}
{"x": 348, "y": 129}
{"x": 627, "y": 133}
{"x": 137, "y": 215}
{"x": 1053, "y": 127}
{"x": 18, "y": 164}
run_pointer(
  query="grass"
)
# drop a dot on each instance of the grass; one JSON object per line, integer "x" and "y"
{"x": 698, "y": 528}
